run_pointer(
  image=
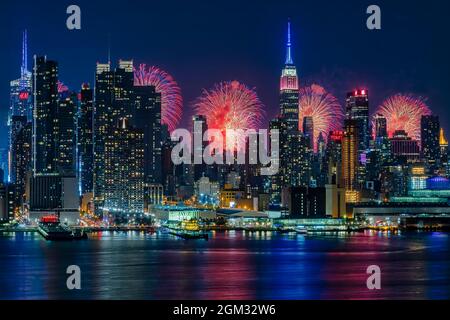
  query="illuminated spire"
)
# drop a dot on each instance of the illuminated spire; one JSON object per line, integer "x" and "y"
{"x": 288, "y": 45}
{"x": 24, "y": 66}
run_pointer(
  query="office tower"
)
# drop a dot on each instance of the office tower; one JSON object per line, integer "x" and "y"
{"x": 104, "y": 98}
{"x": 123, "y": 91}
{"x": 21, "y": 96}
{"x": 333, "y": 157}
{"x": 113, "y": 102}
{"x": 124, "y": 170}
{"x": 404, "y": 148}
{"x": 308, "y": 131}
{"x": 21, "y": 151}
{"x": 45, "y": 91}
{"x": 289, "y": 85}
{"x": 53, "y": 194}
{"x": 357, "y": 109}
{"x": 86, "y": 140}
{"x": 304, "y": 202}
{"x": 276, "y": 180}
{"x": 148, "y": 119}
{"x": 380, "y": 126}
{"x": 16, "y": 125}
{"x": 66, "y": 135}
{"x": 200, "y": 126}
{"x": 350, "y": 160}
{"x": 429, "y": 136}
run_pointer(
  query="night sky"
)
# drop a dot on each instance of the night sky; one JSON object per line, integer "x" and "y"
{"x": 204, "y": 42}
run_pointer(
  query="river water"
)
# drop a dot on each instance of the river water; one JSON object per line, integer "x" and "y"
{"x": 230, "y": 265}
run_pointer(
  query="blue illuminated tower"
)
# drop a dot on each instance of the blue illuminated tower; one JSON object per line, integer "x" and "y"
{"x": 21, "y": 100}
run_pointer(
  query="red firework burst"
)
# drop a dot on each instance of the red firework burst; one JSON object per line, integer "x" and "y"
{"x": 403, "y": 112}
{"x": 323, "y": 107}
{"x": 230, "y": 105}
{"x": 62, "y": 87}
{"x": 171, "y": 99}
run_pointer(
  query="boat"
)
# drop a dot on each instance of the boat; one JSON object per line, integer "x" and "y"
{"x": 188, "y": 230}
{"x": 301, "y": 230}
{"x": 284, "y": 230}
{"x": 52, "y": 229}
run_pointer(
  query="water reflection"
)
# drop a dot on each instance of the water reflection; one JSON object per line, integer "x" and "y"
{"x": 230, "y": 265}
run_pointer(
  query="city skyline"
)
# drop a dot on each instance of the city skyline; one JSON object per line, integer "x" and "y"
{"x": 302, "y": 46}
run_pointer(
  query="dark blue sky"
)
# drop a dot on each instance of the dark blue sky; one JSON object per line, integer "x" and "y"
{"x": 204, "y": 42}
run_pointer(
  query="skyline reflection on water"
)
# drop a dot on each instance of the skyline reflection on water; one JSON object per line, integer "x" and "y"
{"x": 231, "y": 265}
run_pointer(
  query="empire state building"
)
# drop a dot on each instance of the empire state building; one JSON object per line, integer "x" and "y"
{"x": 289, "y": 85}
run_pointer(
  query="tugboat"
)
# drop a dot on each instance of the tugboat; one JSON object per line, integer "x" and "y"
{"x": 51, "y": 229}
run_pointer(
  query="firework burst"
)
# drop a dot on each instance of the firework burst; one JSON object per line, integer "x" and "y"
{"x": 230, "y": 105}
{"x": 403, "y": 112}
{"x": 171, "y": 99}
{"x": 323, "y": 107}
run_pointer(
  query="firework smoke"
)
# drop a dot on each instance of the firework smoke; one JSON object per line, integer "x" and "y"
{"x": 171, "y": 100}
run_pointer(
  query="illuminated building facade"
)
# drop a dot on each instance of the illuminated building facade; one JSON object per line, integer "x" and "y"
{"x": 350, "y": 160}
{"x": 429, "y": 133}
{"x": 21, "y": 100}
{"x": 404, "y": 147}
{"x": 45, "y": 79}
{"x": 124, "y": 170}
{"x": 66, "y": 135}
{"x": 148, "y": 119}
{"x": 86, "y": 140}
{"x": 357, "y": 109}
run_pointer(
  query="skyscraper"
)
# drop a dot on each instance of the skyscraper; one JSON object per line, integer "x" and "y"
{"x": 21, "y": 149}
{"x": 148, "y": 119}
{"x": 357, "y": 108}
{"x": 114, "y": 92}
{"x": 200, "y": 126}
{"x": 66, "y": 133}
{"x": 289, "y": 85}
{"x": 21, "y": 102}
{"x": 308, "y": 131}
{"x": 124, "y": 170}
{"x": 86, "y": 140}
{"x": 429, "y": 133}
{"x": 21, "y": 97}
{"x": 104, "y": 97}
{"x": 16, "y": 125}
{"x": 45, "y": 78}
{"x": 350, "y": 160}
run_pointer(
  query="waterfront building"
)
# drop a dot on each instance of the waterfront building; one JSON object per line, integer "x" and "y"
{"x": 302, "y": 202}
{"x": 53, "y": 194}
{"x": 335, "y": 206}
